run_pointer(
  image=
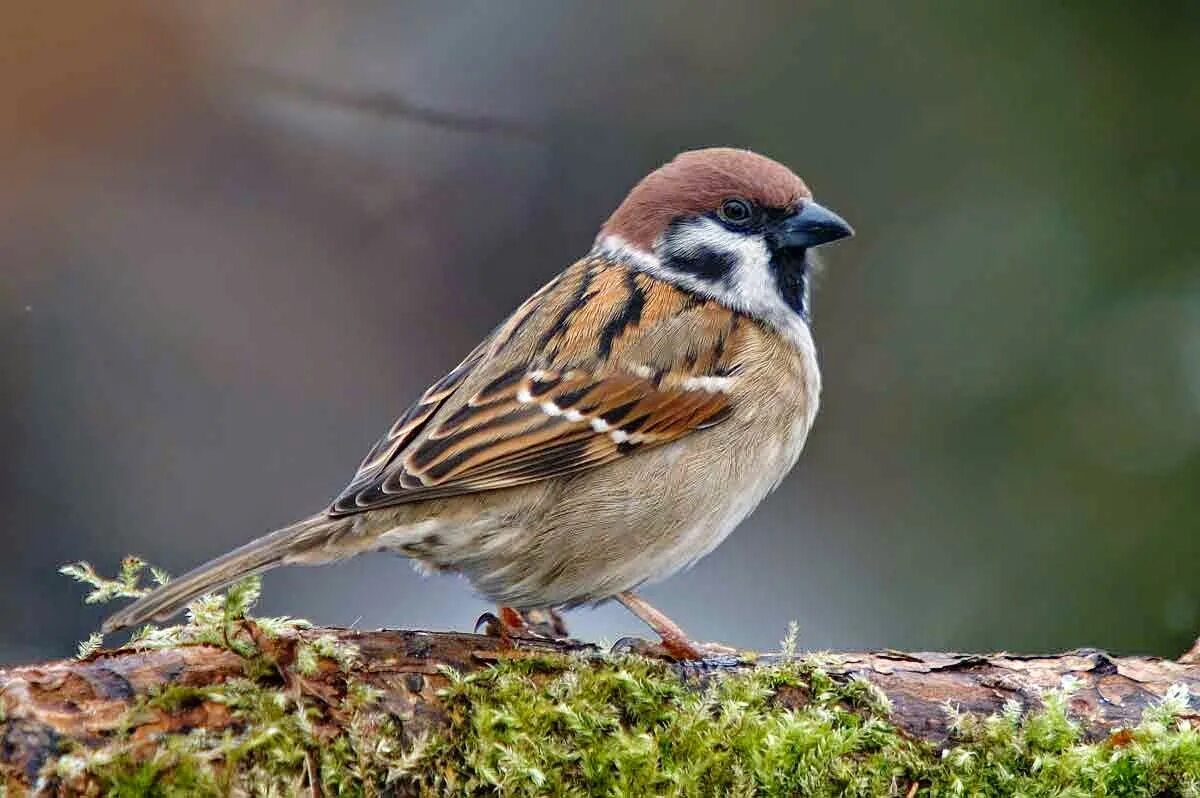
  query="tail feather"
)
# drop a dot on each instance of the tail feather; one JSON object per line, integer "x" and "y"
{"x": 263, "y": 554}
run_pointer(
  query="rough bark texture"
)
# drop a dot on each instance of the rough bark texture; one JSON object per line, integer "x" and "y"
{"x": 50, "y": 708}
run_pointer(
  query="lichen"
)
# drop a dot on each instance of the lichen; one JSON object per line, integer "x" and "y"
{"x": 614, "y": 726}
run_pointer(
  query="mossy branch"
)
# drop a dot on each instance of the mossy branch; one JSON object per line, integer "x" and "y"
{"x": 229, "y": 704}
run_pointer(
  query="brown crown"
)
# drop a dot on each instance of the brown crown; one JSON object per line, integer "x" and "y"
{"x": 697, "y": 182}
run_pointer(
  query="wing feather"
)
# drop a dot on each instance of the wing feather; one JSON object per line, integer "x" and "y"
{"x": 565, "y": 406}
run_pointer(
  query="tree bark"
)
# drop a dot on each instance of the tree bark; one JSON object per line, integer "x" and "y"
{"x": 77, "y": 706}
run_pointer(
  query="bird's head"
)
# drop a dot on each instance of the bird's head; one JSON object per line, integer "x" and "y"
{"x": 728, "y": 224}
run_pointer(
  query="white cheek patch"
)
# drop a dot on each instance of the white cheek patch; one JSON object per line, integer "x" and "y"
{"x": 741, "y": 249}
{"x": 751, "y": 284}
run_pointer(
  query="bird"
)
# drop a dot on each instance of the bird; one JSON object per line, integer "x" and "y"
{"x": 611, "y": 431}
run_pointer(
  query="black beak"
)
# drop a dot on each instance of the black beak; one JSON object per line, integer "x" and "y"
{"x": 812, "y": 226}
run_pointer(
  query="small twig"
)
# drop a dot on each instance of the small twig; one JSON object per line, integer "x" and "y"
{"x": 314, "y": 773}
{"x": 384, "y": 104}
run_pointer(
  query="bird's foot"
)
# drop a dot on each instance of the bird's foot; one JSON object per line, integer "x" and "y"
{"x": 677, "y": 649}
{"x": 674, "y": 641}
{"x": 508, "y": 623}
{"x": 546, "y": 623}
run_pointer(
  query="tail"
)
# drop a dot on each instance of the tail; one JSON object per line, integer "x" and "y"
{"x": 300, "y": 542}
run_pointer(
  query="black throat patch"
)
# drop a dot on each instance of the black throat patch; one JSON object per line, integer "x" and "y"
{"x": 790, "y": 267}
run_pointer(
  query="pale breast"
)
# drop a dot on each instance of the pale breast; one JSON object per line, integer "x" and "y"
{"x": 777, "y": 404}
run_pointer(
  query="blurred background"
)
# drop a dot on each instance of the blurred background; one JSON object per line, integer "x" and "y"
{"x": 237, "y": 239}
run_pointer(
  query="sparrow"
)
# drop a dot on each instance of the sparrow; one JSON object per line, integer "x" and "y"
{"x": 610, "y": 432}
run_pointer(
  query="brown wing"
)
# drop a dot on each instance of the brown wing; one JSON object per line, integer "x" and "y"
{"x": 566, "y": 404}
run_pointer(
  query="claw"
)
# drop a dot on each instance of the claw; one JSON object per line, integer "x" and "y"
{"x": 491, "y": 625}
{"x": 507, "y": 624}
{"x": 636, "y": 645}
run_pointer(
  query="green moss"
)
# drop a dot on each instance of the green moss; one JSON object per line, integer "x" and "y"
{"x": 163, "y": 774}
{"x": 619, "y": 726}
{"x": 630, "y": 727}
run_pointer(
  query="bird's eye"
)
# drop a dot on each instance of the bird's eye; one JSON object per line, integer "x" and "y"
{"x": 735, "y": 211}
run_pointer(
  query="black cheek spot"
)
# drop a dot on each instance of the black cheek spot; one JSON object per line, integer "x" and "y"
{"x": 705, "y": 263}
{"x": 702, "y": 262}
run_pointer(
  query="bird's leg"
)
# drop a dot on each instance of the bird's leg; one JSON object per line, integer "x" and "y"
{"x": 674, "y": 640}
{"x": 512, "y": 622}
